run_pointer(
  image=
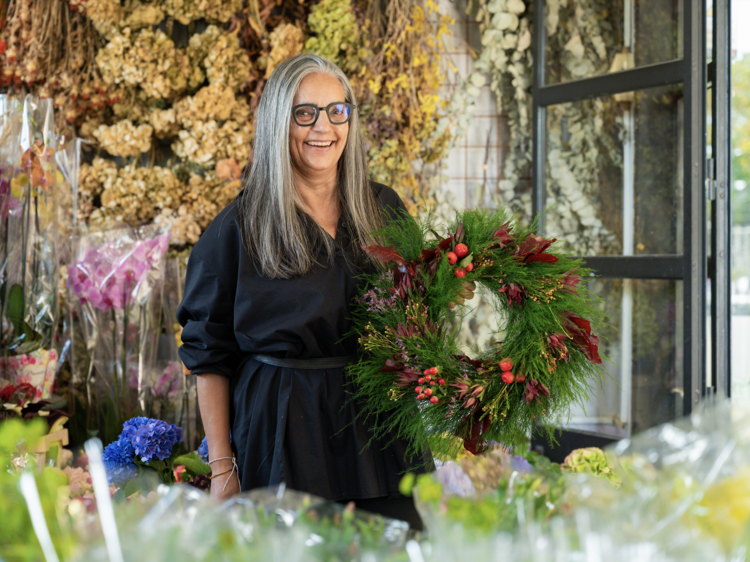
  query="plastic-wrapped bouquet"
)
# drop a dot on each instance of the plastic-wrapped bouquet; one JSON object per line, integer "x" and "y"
{"x": 115, "y": 280}
{"x": 29, "y": 184}
{"x": 145, "y": 446}
{"x": 486, "y": 492}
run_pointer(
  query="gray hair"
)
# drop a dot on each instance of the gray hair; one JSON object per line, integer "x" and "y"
{"x": 275, "y": 230}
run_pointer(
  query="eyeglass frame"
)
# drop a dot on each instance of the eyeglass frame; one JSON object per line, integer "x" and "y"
{"x": 318, "y": 111}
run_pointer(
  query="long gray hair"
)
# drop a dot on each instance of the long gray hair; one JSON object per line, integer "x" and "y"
{"x": 275, "y": 230}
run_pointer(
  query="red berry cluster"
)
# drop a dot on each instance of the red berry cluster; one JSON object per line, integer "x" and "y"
{"x": 461, "y": 252}
{"x": 424, "y": 390}
{"x": 507, "y": 376}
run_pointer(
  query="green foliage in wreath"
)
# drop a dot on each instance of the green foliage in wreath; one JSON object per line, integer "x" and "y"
{"x": 547, "y": 360}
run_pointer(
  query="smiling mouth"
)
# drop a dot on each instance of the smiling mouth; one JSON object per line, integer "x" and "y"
{"x": 323, "y": 144}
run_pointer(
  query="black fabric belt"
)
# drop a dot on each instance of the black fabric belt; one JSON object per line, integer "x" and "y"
{"x": 314, "y": 363}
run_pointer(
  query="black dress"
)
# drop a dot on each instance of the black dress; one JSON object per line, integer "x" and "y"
{"x": 288, "y": 425}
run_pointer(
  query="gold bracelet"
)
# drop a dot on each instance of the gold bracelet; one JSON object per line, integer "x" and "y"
{"x": 220, "y": 473}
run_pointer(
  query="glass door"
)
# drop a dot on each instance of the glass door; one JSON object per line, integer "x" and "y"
{"x": 619, "y": 173}
{"x": 740, "y": 201}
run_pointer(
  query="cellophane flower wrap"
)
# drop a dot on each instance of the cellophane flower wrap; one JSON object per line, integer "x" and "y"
{"x": 115, "y": 282}
{"x": 173, "y": 394}
{"x": 685, "y": 487}
{"x": 30, "y": 185}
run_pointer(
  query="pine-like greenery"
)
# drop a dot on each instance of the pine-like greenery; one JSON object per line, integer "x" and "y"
{"x": 402, "y": 334}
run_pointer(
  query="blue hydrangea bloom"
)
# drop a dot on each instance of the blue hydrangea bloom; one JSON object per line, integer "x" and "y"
{"x": 203, "y": 450}
{"x": 131, "y": 426}
{"x": 155, "y": 439}
{"x": 118, "y": 461}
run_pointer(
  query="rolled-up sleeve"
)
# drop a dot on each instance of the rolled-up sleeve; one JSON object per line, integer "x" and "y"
{"x": 206, "y": 315}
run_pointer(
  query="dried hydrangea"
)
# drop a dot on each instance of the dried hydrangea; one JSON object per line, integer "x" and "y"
{"x": 336, "y": 34}
{"x": 227, "y": 62}
{"x": 186, "y": 11}
{"x": 105, "y": 15}
{"x": 286, "y": 41}
{"x": 144, "y": 15}
{"x": 164, "y": 122}
{"x": 200, "y": 43}
{"x": 214, "y": 102}
{"x": 91, "y": 179}
{"x": 207, "y": 195}
{"x": 124, "y": 139}
{"x": 180, "y": 225}
{"x": 137, "y": 194}
{"x": 132, "y": 104}
{"x": 207, "y": 142}
{"x": 148, "y": 60}
{"x": 166, "y": 190}
{"x": 87, "y": 128}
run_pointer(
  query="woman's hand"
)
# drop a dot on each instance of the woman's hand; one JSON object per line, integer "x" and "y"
{"x": 224, "y": 482}
{"x": 466, "y": 294}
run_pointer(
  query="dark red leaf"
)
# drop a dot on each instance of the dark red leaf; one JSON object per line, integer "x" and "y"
{"x": 428, "y": 255}
{"x": 384, "y": 254}
{"x": 445, "y": 244}
{"x": 546, "y": 258}
{"x": 582, "y": 323}
{"x": 580, "y": 332}
{"x": 391, "y": 365}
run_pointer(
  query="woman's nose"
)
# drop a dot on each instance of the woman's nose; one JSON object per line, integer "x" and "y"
{"x": 323, "y": 123}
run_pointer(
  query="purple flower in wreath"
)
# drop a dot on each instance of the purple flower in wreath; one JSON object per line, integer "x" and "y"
{"x": 118, "y": 461}
{"x": 155, "y": 440}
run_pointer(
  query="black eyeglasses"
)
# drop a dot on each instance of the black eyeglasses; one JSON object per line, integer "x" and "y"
{"x": 306, "y": 114}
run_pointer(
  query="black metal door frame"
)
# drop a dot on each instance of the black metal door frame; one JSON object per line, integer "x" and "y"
{"x": 691, "y": 266}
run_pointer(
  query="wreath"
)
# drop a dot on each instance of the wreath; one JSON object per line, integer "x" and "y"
{"x": 405, "y": 320}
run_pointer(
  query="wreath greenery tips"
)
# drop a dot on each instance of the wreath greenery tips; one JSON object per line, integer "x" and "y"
{"x": 547, "y": 358}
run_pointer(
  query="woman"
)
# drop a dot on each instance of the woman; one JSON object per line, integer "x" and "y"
{"x": 267, "y": 298}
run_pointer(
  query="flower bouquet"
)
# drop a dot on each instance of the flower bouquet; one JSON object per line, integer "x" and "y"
{"x": 29, "y": 184}
{"x": 115, "y": 281}
{"x": 148, "y": 447}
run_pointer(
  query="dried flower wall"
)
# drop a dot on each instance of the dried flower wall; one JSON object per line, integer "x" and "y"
{"x": 164, "y": 92}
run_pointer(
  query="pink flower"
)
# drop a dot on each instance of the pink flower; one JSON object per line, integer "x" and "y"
{"x": 79, "y": 481}
{"x": 178, "y": 472}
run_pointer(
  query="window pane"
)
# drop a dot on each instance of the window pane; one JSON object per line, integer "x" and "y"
{"x": 740, "y": 198}
{"x": 643, "y": 385}
{"x": 595, "y": 38}
{"x": 614, "y": 173}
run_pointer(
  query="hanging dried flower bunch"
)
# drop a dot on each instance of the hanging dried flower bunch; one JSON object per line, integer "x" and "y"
{"x": 124, "y": 139}
{"x": 186, "y": 11}
{"x": 91, "y": 180}
{"x": 397, "y": 70}
{"x": 48, "y": 49}
{"x": 134, "y": 194}
{"x": 208, "y": 142}
{"x": 148, "y": 60}
{"x": 226, "y": 62}
{"x": 267, "y": 36}
{"x": 286, "y": 41}
{"x": 130, "y": 88}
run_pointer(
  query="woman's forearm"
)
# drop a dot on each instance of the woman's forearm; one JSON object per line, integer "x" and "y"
{"x": 213, "y": 399}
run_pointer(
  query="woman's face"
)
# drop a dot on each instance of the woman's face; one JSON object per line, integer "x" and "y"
{"x": 316, "y": 150}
